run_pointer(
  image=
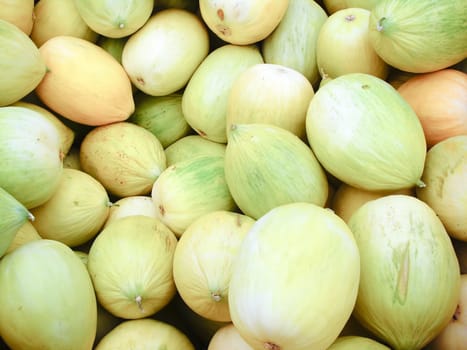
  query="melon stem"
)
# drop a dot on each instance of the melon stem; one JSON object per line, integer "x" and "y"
{"x": 420, "y": 184}
{"x": 30, "y": 216}
{"x": 379, "y": 25}
{"x": 139, "y": 302}
{"x": 271, "y": 346}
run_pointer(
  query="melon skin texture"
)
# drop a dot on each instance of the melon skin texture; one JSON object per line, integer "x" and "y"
{"x": 293, "y": 42}
{"x": 162, "y": 55}
{"x": 117, "y": 18}
{"x": 21, "y": 64}
{"x": 410, "y": 277}
{"x": 130, "y": 264}
{"x": 445, "y": 175}
{"x": 433, "y": 39}
{"x": 332, "y": 6}
{"x": 260, "y": 175}
{"x": 365, "y": 134}
{"x": 30, "y": 155}
{"x": 297, "y": 252}
{"x": 19, "y": 13}
{"x": 205, "y": 98}
{"x": 351, "y": 342}
{"x": 228, "y": 338}
{"x": 84, "y": 83}
{"x": 52, "y": 305}
{"x": 192, "y": 146}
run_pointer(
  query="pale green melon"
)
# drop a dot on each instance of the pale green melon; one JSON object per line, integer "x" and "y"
{"x": 14, "y": 216}
{"x": 21, "y": 64}
{"x": 293, "y": 42}
{"x": 332, "y": 6}
{"x": 205, "y": 97}
{"x": 116, "y": 18}
{"x": 365, "y": 134}
{"x": 419, "y": 36}
{"x": 161, "y": 115}
{"x": 192, "y": 146}
{"x": 30, "y": 155}
{"x": 410, "y": 277}
{"x": 353, "y": 342}
{"x": 52, "y": 305}
{"x": 261, "y": 175}
{"x": 188, "y": 189}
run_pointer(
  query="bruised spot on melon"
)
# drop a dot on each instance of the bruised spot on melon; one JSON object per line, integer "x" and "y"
{"x": 223, "y": 29}
{"x": 271, "y": 346}
{"x": 350, "y": 18}
{"x": 220, "y": 14}
{"x": 162, "y": 210}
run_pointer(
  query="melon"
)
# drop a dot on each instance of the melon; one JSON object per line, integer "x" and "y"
{"x": 242, "y": 22}
{"x": 130, "y": 264}
{"x": 25, "y": 234}
{"x": 131, "y": 205}
{"x": 203, "y": 261}
{"x": 191, "y": 146}
{"x": 117, "y": 18}
{"x": 19, "y": 13}
{"x": 332, "y": 6}
{"x": 52, "y": 305}
{"x": 365, "y": 134}
{"x": 163, "y": 54}
{"x": 124, "y": 157}
{"x": 59, "y": 17}
{"x": 353, "y": 342}
{"x": 228, "y": 338}
{"x": 21, "y": 64}
{"x": 297, "y": 252}
{"x": 293, "y": 43}
{"x": 84, "y": 83}
{"x": 410, "y": 277}
{"x": 432, "y": 39}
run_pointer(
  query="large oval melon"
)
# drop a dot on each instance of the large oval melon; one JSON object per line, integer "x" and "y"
{"x": 295, "y": 280}
{"x": 260, "y": 174}
{"x": 419, "y": 36}
{"x": 21, "y": 64}
{"x": 130, "y": 263}
{"x": 410, "y": 278}
{"x": 19, "y": 13}
{"x": 163, "y": 54}
{"x": 365, "y": 134}
{"x": 83, "y": 82}
{"x": 52, "y": 305}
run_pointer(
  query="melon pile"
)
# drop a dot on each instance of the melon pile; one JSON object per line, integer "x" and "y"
{"x": 217, "y": 175}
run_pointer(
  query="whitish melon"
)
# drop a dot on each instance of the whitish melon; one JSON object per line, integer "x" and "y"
{"x": 76, "y": 212}
{"x": 21, "y": 64}
{"x": 125, "y": 157}
{"x": 52, "y": 305}
{"x": 365, "y": 134}
{"x": 84, "y": 83}
{"x": 293, "y": 42}
{"x": 260, "y": 174}
{"x": 271, "y": 94}
{"x": 30, "y": 155}
{"x": 25, "y": 234}
{"x": 297, "y": 252}
{"x": 131, "y": 205}
{"x": 130, "y": 263}
{"x": 419, "y": 36}
{"x": 203, "y": 261}
{"x": 343, "y": 46}
{"x": 14, "y": 216}
{"x": 188, "y": 189}
{"x": 19, "y": 13}
{"x": 242, "y": 22}
{"x": 117, "y": 18}
{"x": 205, "y": 97}
{"x": 410, "y": 278}
{"x": 228, "y": 338}
{"x": 145, "y": 334}
{"x": 445, "y": 175}
{"x": 161, "y": 57}
{"x": 59, "y": 17}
